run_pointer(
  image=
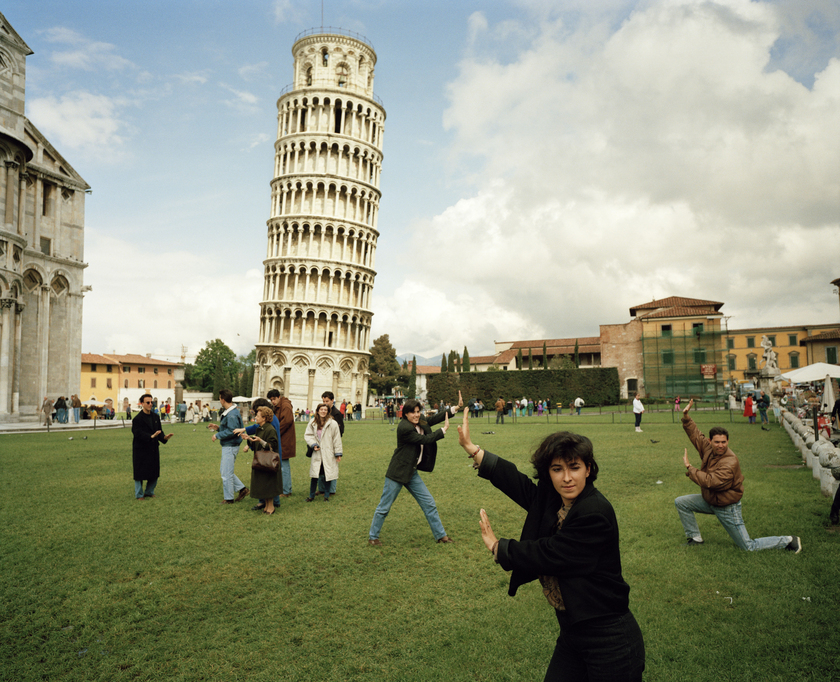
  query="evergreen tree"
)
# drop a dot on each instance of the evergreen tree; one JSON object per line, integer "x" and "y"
{"x": 443, "y": 366}
{"x": 545, "y": 357}
{"x": 577, "y": 354}
{"x": 450, "y": 362}
{"x": 405, "y": 365}
{"x": 384, "y": 368}
{"x": 412, "y": 380}
{"x": 218, "y": 378}
{"x": 530, "y": 359}
{"x": 213, "y": 367}
{"x": 465, "y": 361}
{"x": 519, "y": 364}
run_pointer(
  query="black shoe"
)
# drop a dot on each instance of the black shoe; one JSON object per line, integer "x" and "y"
{"x": 693, "y": 543}
{"x": 794, "y": 545}
{"x": 835, "y": 519}
{"x": 257, "y": 507}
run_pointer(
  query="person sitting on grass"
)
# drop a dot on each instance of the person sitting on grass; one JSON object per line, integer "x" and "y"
{"x": 722, "y": 487}
{"x": 569, "y": 542}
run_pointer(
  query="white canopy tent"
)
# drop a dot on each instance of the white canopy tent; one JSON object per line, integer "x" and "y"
{"x": 816, "y": 372}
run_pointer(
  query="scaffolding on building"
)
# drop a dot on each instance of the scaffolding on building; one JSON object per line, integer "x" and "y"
{"x": 686, "y": 363}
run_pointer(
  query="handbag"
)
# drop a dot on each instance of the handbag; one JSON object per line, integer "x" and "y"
{"x": 266, "y": 460}
{"x": 309, "y": 450}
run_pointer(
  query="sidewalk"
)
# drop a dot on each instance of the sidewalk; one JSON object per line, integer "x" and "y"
{"x": 83, "y": 425}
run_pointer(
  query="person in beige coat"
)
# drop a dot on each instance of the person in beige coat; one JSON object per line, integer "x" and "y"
{"x": 323, "y": 435}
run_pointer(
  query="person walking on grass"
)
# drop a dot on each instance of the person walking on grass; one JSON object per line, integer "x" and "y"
{"x": 638, "y": 409}
{"x": 229, "y": 421}
{"x": 416, "y": 451}
{"x": 500, "y": 410}
{"x": 722, "y": 487}
{"x": 145, "y": 449}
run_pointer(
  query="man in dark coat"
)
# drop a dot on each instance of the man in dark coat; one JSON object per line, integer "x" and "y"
{"x": 286, "y": 416}
{"x": 145, "y": 453}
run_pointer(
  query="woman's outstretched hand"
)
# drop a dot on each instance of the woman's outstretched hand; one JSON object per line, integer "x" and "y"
{"x": 446, "y": 422}
{"x": 487, "y": 533}
{"x": 464, "y": 440}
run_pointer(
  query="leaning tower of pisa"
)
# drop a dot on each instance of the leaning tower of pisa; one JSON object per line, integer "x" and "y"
{"x": 319, "y": 268}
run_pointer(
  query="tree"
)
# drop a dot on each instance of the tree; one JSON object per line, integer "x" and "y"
{"x": 457, "y": 361}
{"x": 465, "y": 361}
{"x": 530, "y": 359}
{"x": 384, "y": 366}
{"x": 450, "y": 362}
{"x": 519, "y": 363}
{"x": 444, "y": 367}
{"x": 577, "y": 354}
{"x": 214, "y": 365}
{"x": 545, "y": 357}
{"x": 412, "y": 380}
{"x": 405, "y": 364}
{"x": 561, "y": 362}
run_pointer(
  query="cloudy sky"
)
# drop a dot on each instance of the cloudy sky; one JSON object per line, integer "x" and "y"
{"x": 547, "y": 165}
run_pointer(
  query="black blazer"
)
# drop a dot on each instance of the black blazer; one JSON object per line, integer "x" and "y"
{"x": 583, "y": 555}
{"x": 404, "y": 460}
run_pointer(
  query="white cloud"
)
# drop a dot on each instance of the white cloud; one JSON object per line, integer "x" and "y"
{"x": 259, "y": 140}
{"x": 198, "y": 77}
{"x": 84, "y": 53}
{"x": 243, "y": 100}
{"x": 82, "y": 121}
{"x": 287, "y": 11}
{"x": 621, "y": 165}
{"x": 251, "y": 72}
{"x": 159, "y": 300}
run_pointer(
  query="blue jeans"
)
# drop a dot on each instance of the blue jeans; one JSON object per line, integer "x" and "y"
{"x": 730, "y": 518}
{"x": 605, "y": 649}
{"x": 76, "y": 411}
{"x": 230, "y": 482}
{"x": 286, "y": 470}
{"x": 500, "y": 415}
{"x": 420, "y": 493}
{"x": 150, "y": 488}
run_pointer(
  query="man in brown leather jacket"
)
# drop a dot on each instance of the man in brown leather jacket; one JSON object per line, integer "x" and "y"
{"x": 722, "y": 486}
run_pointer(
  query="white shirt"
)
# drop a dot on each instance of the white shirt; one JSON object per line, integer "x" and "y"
{"x": 638, "y": 408}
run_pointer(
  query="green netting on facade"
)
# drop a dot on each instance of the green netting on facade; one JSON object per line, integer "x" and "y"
{"x": 673, "y": 364}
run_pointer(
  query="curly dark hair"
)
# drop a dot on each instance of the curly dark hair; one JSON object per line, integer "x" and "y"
{"x": 568, "y": 447}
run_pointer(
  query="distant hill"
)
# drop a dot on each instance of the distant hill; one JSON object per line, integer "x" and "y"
{"x": 431, "y": 362}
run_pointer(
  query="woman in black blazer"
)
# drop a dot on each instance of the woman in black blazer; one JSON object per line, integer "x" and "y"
{"x": 416, "y": 449}
{"x": 569, "y": 542}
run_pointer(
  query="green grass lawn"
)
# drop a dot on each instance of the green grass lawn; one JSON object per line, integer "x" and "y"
{"x": 96, "y": 586}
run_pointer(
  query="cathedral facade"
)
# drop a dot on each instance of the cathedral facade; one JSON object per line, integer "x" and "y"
{"x": 42, "y": 201}
{"x": 315, "y": 314}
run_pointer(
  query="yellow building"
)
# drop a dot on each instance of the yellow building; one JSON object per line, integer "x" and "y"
{"x": 100, "y": 378}
{"x": 745, "y": 354}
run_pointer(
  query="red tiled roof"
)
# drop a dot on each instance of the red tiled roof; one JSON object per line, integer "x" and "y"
{"x": 676, "y": 302}
{"x": 95, "y": 359}
{"x": 134, "y": 359}
{"x": 483, "y": 359}
{"x": 824, "y": 336}
{"x": 697, "y": 311}
{"x": 427, "y": 369}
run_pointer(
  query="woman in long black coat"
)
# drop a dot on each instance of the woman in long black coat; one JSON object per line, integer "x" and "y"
{"x": 569, "y": 542}
{"x": 265, "y": 485}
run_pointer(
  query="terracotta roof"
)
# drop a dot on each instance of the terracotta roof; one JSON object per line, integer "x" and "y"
{"x": 698, "y": 311}
{"x": 788, "y": 328}
{"x": 676, "y": 302}
{"x": 427, "y": 369}
{"x": 483, "y": 360}
{"x": 95, "y": 359}
{"x": 824, "y": 336}
{"x": 558, "y": 343}
{"x": 134, "y": 359}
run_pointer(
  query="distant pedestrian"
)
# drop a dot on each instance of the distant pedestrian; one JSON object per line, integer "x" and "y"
{"x": 47, "y": 409}
{"x": 500, "y": 410}
{"x": 677, "y": 404}
{"x": 579, "y": 403}
{"x": 638, "y": 410}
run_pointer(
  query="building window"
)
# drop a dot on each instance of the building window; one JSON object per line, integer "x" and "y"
{"x": 750, "y": 342}
{"x": 794, "y": 360}
{"x": 730, "y": 343}
{"x": 47, "y": 205}
{"x": 93, "y": 382}
{"x": 108, "y": 383}
{"x": 792, "y": 340}
{"x": 169, "y": 371}
{"x": 699, "y": 356}
{"x": 156, "y": 369}
{"x": 46, "y": 246}
{"x": 632, "y": 386}
{"x": 697, "y": 327}
{"x": 325, "y": 56}
{"x": 730, "y": 362}
{"x": 127, "y": 370}
{"x": 92, "y": 367}
{"x": 125, "y": 383}
{"x": 831, "y": 355}
{"x": 141, "y": 370}
{"x": 109, "y": 368}
{"x": 155, "y": 386}
{"x": 141, "y": 383}
{"x": 666, "y": 330}
{"x": 772, "y": 340}
{"x": 168, "y": 384}
{"x": 751, "y": 361}
{"x": 667, "y": 357}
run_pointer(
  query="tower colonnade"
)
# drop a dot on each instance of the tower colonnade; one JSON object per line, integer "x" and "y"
{"x": 319, "y": 270}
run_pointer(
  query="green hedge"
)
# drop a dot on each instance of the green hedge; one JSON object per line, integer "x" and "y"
{"x": 597, "y": 386}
